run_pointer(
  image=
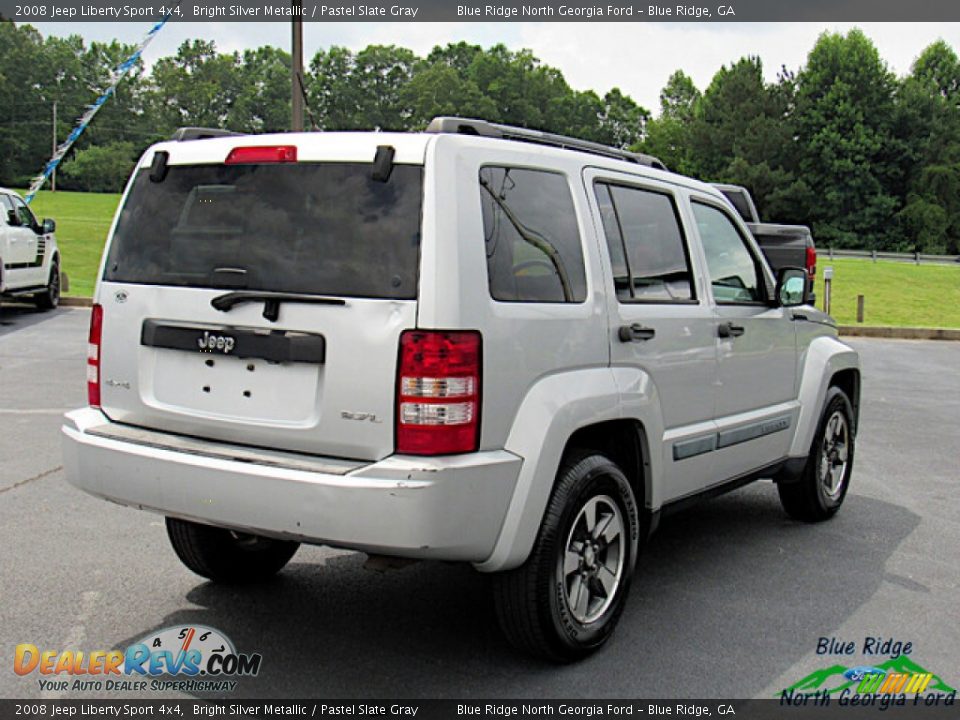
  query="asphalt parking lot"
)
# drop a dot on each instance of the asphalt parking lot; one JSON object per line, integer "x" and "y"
{"x": 730, "y": 600}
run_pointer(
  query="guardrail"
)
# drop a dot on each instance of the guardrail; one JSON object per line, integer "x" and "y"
{"x": 916, "y": 258}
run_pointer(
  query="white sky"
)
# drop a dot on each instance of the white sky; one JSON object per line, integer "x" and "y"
{"x": 636, "y": 57}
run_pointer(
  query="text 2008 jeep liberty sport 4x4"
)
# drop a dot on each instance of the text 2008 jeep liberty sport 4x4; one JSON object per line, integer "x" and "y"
{"x": 476, "y": 343}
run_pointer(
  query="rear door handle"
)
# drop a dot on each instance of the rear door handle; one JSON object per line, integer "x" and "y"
{"x": 728, "y": 329}
{"x": 635, "y": 332}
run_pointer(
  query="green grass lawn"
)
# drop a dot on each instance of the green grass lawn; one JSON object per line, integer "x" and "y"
{"x": 83, "y": 220}
{"x": 897, "y": 294}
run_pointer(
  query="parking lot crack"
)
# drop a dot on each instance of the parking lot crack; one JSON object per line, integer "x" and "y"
{"x": 31, "y": 479}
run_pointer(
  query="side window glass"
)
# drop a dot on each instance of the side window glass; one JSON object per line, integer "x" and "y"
{"x": 734, "y": 272}
{"x": 647, "y": 249}
{"x": 615, "y": 244}
{"x": 6, "y": 207}
{"x": 23, "y": 212}
{"x": 534, "y": 252}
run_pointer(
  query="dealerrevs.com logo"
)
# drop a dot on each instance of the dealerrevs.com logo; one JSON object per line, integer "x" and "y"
{"x": 193, "y": 658}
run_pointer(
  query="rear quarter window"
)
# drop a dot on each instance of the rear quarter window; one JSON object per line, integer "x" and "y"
{"x": 532, "y": 238}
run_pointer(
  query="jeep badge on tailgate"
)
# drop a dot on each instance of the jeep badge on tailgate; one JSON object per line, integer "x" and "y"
{"x": 220, "y": 343}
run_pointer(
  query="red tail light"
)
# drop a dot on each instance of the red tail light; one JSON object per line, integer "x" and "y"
{"x": 438, "y": 392}
{"x": 811, "y": 263}
{"x": 262, "y": 154}
{"x": 93, "y": 356}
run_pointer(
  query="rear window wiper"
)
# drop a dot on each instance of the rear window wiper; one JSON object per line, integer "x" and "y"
{"x": 271, "y": 301}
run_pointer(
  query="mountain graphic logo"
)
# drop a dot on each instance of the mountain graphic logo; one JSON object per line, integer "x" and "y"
{"x": 901, "y": 674}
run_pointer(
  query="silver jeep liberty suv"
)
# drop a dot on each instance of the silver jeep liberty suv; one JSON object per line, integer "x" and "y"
{"x": 476, "y": 343}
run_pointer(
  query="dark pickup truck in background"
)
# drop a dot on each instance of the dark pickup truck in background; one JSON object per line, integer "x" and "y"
{"x": 783, "y": 245}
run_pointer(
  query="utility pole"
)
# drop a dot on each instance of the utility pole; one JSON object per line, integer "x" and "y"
{"x": 53, "y": 178}
{"x": 296, "y": 105}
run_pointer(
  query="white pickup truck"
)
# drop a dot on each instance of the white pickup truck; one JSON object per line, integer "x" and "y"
{"x": 29, "y": 258}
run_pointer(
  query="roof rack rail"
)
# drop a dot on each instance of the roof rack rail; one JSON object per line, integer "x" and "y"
{"x": 470, "y": 126}
{"x": 200, "y": 133}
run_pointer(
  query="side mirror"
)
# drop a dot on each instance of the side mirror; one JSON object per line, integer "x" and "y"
{"x": 13, "y": 218}
{"x": 791, "y": 286}
{"x": 49, "y": 226}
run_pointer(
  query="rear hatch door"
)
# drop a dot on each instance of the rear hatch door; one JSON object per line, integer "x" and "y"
{"x": 261, "y": 303}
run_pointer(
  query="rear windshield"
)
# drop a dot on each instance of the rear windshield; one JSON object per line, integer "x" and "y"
{"x": 319, "y": 228}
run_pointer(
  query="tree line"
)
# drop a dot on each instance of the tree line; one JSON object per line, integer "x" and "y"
{"x": 868, "y": 159}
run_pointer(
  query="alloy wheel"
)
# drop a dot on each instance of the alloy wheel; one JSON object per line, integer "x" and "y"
{"x": 593, "y": 559}
{"x": 834, "y": 454}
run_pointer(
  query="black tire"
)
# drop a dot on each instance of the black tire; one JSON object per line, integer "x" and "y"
{"x": 225, "y": 556}
{"x": 49, "y": 299}
{"x": 823, "y": 485}
{"x": 533, "y": 602}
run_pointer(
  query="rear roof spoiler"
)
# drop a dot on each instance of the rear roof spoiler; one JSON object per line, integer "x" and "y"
{"x": 199, "y": 133}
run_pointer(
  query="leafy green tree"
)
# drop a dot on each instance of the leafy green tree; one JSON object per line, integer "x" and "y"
{"x": 679, "y": 97}
{"x": 928, "y": 122}
{"x": 35, "y": 73}
{"x": 437, "y": 89}
{"x": 844, "y": 106}
{"x": 925, "y": 223}
{"x": 331, "y": 96}
{"x": 22, "y": 143}
{"x": 382, "y": 71}
{"x": 938, "y": 68}
{"x": 262, "y": 103}
{"x": 101, "y": 168}
{"x": 577, "y": 114}
{"x": 123, "y": 118}
{"x": 737, "y": 131}
{"x": 740, "y": 132}
{"x": 526, "y": 93}
{"x": 195, "y": 87}
{"x": 459, "y": 56}
{"x": 731, "y": 113}
{"x": 668, "y": 136}
{"x": 348, "y": 91}
{"x": 622, "y": 121}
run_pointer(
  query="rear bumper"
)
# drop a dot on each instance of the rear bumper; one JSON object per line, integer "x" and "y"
{"x": 447, "y": 508}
